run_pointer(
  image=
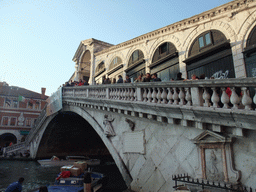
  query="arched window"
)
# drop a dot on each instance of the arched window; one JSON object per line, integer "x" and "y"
{"x": 210, "y": 54}
{"x": 115, "y": 65}
{"x": 250, "y": 54}
{"x": 100, "y": 69}
{"x": 136, "y": 64}
{"x": 165, "y": 62}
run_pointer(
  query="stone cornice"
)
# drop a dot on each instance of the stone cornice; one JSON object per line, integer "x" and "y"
{"x": 181, "y": 25}
{"x": 88, "y": 42}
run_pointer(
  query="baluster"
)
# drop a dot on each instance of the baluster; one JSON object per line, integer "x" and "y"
{"x": 100, "y": 93}
{"x": 164, "y": 96}
{"x": 215, "y": 98}
{"x": 206, "y": 97}
{"x": 111, "y": 93}
{"x": 246, "y": 99}
{"x": 158, "y": 96}
{"x": 188, "y": 97}
{"x": 124, "y": 94}
{"x": 116, "y": 93}
{"x": 234, "y": 99}
{"x": 119, "y": 94}
{"x": 254, "y": 98}
{"x": 175, "y": 96}
{"x": 169, "y": 96}
{"x": 132, "y": 94}
{"x": 145, "y": 95}
{"x": 182, "y": 97}
{"x": 224, "y": 98}
{"x": 135, "y": 94}
{"x": 128, "y": 94}
{"x": 154, "y": 95}
{"x": 149, "y": 95}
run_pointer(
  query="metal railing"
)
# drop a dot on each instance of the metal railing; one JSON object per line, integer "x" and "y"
{"x": 210, "y": 184}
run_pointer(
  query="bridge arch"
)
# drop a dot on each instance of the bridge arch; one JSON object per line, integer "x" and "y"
{"x": 97, "y": 128}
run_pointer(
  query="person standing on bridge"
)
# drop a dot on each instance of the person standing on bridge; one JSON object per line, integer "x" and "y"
{"x": 16, "y": 186}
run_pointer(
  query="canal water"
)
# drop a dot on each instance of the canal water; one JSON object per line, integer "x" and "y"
{"x": 36, "y": 175}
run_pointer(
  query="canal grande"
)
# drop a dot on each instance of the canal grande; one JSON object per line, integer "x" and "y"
{"x": 36, "y": 175}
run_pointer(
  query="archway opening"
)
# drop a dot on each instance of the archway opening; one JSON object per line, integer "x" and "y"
{"x": 85, "y": 65}
{"x": 70, "y": 134}
{"x": 6, "y": 139}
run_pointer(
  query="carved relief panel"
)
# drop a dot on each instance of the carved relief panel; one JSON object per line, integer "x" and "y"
{"x": 215, "y": 158}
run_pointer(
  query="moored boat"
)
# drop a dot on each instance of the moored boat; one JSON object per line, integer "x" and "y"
{"x": 55, "y": 161}
{"x": 76, "y": 183}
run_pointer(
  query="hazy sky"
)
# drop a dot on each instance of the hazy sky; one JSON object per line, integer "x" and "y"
{"x": 38, "y": 38}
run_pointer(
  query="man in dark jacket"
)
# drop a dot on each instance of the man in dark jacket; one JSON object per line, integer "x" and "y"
{"x": 155, "y": 78}
{"x": 16, "y": 186}
{"x": 120, "y": 79}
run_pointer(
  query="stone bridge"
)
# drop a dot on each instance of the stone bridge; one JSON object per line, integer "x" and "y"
{"x": 156, "y": 130}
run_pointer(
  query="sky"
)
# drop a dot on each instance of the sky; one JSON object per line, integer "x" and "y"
{"x": 39, "y": 38}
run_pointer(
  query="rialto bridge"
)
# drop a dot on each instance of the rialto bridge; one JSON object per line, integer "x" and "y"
{"x": 156, "y": 130}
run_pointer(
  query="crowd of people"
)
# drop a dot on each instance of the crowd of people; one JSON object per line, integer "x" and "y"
{"x": 141, "y": 78}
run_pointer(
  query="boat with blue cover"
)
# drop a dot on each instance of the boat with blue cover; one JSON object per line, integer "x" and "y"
{"x": 76, "y": 183}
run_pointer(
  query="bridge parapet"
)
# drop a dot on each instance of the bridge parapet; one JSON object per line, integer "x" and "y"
{"x": 206, "y": 104}
{"x": 37, "y": 125}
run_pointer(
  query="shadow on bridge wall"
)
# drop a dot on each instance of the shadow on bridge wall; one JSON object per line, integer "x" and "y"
{"x": 70, "y": 134}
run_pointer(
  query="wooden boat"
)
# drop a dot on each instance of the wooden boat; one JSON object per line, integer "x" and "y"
{"x": 55, "y": 161}
{"x": 76, "y": 184}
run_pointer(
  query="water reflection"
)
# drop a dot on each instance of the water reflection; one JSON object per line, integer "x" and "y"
{"x": 34, "y": 174}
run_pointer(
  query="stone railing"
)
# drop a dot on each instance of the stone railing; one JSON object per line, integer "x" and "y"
{"x": 233, "y": 94}
{"x": 37, "y": 124}
{"x": 14, "y": 147}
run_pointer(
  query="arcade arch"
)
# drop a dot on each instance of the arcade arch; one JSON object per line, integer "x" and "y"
{"x": 250, "y": 54}
{"x": 165, "y": 61}
{"x": 115, "y": 67}
{"x": 210, "y": 54}
{"x": 85, "y": 66}
{"x": 136, "y": 64}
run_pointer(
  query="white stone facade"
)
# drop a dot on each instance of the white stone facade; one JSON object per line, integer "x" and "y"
{"x": 235, "y": 20}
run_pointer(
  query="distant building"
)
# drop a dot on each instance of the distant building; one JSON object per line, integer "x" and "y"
{"x": 19, "y": 109}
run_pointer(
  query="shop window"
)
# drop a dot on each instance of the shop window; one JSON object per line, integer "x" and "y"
{"x": 28, "y": 122}
{"x": 5, "y": 121}
{"x": 7, "y": 103}
{"x": 13, "y": 121}
{"x": 15, "y": 104}
{"x": 37, "y": 105}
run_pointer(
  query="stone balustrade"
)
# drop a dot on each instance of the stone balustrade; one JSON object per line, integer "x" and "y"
{"x": 205, "y": 93}
{"x": 14, "y": 147}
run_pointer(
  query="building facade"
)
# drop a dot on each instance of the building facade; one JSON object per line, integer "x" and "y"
{"x": 19, "y": 109}
{"x": 218, "y": 43}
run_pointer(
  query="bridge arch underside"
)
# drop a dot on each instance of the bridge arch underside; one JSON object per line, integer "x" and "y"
{"x": 70, "y": 134}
